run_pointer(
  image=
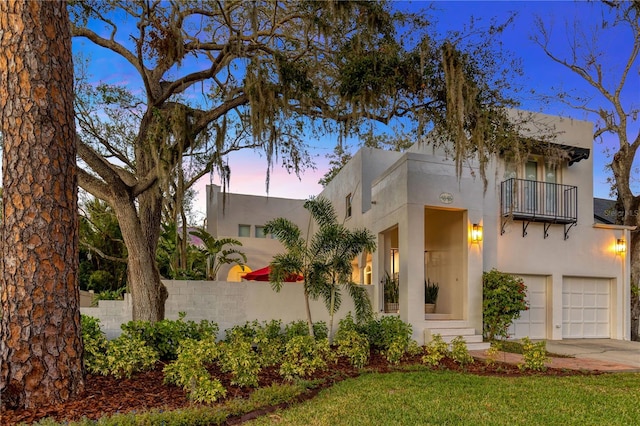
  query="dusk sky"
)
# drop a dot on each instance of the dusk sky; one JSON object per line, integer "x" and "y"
{"x": 248, "y": 170}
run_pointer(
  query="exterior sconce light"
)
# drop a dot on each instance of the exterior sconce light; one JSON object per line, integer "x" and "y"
{"x": 476, "y": 233}
{"x": 621, "y": 246}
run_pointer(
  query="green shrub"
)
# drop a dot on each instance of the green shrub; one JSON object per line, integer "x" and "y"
{"x": 390, "y": 336}
{"x": 269, "y": 341}
{"x": 239, "y": 359}
{"x": 460, "y": 352}
{"x": 296, "y": 328}
{"x": 534, "y": 355}
{"x": 124, "y": 356}
{"x": 303, "y": 356}
{"x": 353, "y": 346}
{"x": 94, "y": 341}
{"x": 301, "y": 328}
{"x": 189, "y": 371}
{"x": 320, "y": 330}
{"x": 100, "y": 280}
{"x": 108, "y": 295}
{"x": 348, "y": 323}
{"x": 247, "y": 331}
{"x": 493, "y": 352}
{"x": 435, "y": 350}
{"x": 267, "y": 338}
{"x": 503, "y": 298}
{"x": 384, "y": 331}
{"x": 395, "y": 351}
{"x": 165, "y": 336}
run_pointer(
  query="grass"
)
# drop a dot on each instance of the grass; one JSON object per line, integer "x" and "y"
{"x": 444, "y": 397}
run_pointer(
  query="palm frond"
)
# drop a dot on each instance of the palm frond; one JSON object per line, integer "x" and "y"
{"x": 361, "y": 301}
{"x": 322, "y": 211}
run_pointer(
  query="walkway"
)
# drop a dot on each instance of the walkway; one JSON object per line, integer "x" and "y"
{"x": 586, "y": 354}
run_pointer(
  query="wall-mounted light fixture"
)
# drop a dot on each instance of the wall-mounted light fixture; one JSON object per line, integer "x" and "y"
{"x": 476, "y": 233}
{"x": 621, "y": 246}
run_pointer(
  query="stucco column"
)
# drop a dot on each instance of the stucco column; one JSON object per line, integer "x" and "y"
{"x": 411, "y": 249}
{"x": 472, "y": 303}
{"x": 556, "y": 305}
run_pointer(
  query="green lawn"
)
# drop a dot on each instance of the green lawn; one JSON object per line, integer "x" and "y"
{"x": 449, "y": 398}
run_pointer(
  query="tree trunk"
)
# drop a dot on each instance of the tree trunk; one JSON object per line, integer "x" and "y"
{"x": 41, "y": 347}
{"x": 634, "y": 252}
{"x": 148, "y": 294}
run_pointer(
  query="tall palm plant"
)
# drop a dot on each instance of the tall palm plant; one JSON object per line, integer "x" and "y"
{"x": 216, "y": 253}
{"x": 324, "y": 259}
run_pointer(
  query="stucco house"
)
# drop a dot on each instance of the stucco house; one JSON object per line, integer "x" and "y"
{"x": 535, "y": 220}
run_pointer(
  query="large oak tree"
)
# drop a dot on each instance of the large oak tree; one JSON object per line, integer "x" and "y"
{"x": 216, "y": 77}
{"x": 41, "y": 347}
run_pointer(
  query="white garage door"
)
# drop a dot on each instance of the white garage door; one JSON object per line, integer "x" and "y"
{"x": 585, "y": 308}
{"x": 532, "y": 322}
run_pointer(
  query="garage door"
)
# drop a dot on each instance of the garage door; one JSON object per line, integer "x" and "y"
{"x": 532, "y": 322}
{"x": 585, "y": 308}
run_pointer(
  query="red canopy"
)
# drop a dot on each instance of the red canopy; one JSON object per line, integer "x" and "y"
{"x": 263, "y": 275}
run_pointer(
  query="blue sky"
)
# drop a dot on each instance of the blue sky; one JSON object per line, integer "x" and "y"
{"x": 541, "y": 74}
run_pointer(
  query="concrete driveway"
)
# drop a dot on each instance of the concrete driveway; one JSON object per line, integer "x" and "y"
{"x": 607, "y": 350}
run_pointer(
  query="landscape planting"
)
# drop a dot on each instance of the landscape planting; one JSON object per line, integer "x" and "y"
{"x": 181, "y": 372}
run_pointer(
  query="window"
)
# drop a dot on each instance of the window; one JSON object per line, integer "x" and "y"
{"x": 260, "y": 232}
{"x": 348, "y": 206}
{"x": 540, "y": 191}
{"x": 244, "y": 230}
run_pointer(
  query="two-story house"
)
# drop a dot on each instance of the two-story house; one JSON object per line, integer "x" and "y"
{"x": 534, "y": 219}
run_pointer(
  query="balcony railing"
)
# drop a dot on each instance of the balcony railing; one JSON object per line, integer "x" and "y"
{"x": 534, "y": 201}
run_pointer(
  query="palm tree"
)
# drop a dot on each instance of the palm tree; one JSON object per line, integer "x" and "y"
{"x": 324, "y": 259}
{"x": 216, "y": 253}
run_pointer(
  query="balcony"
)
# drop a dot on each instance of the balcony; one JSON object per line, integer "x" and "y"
{"x": 533, "y": 201}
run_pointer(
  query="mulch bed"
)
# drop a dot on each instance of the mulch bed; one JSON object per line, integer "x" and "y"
{"x": 144, "y": 391}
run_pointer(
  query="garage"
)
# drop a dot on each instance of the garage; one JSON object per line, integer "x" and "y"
{"x": 532, "y": 322}
{"x": 585, "y": 307}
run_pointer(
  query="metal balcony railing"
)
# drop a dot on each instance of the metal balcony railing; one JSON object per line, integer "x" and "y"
{"x": 535, "y": 201}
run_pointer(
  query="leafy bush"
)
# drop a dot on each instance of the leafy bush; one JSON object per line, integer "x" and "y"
{"x": 269, "y": 341}
{"x": 117, "y": 294}
{"x": 247, "y": 331}
{"x": 460, "y": 352}
{"x": 239, "y": 359}
{"x": 391, "y": 336}
{"x": 435, "y": 350}
{"x": 534, "y": 355}
{"x": 492, "y": 353}
{"x": 124, "y": 356}
{"x": 382, "y": 332}
{"x": 502, "y": 301}
{"x": 100, "y": 280}
{"x": 320, "y": 330}
{"x": 94, "y": 341}
{"x": 165, "y": 336}
{"x": 304, "y": 355}
{"x": 189, "y": 371}
{"x": 354, "y": 346}
{"x": 301, "y": 328}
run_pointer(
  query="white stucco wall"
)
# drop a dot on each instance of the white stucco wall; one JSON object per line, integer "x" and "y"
{"x": 224, "y": 218}
{"x": 227, "y": 304}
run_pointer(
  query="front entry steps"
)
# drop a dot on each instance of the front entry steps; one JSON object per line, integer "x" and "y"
{"x": 449, "y": 330}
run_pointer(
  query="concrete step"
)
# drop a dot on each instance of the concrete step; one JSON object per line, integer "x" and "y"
{"x": 469, "y": 338}
{"x": 446, "y": 324}
{"x": 473, "y": 340}
{"x": 453, "y": 331}
{"x": 483, "y": 346}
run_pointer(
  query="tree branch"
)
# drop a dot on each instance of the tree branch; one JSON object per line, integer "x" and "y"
{"x": 103, "y": 254}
